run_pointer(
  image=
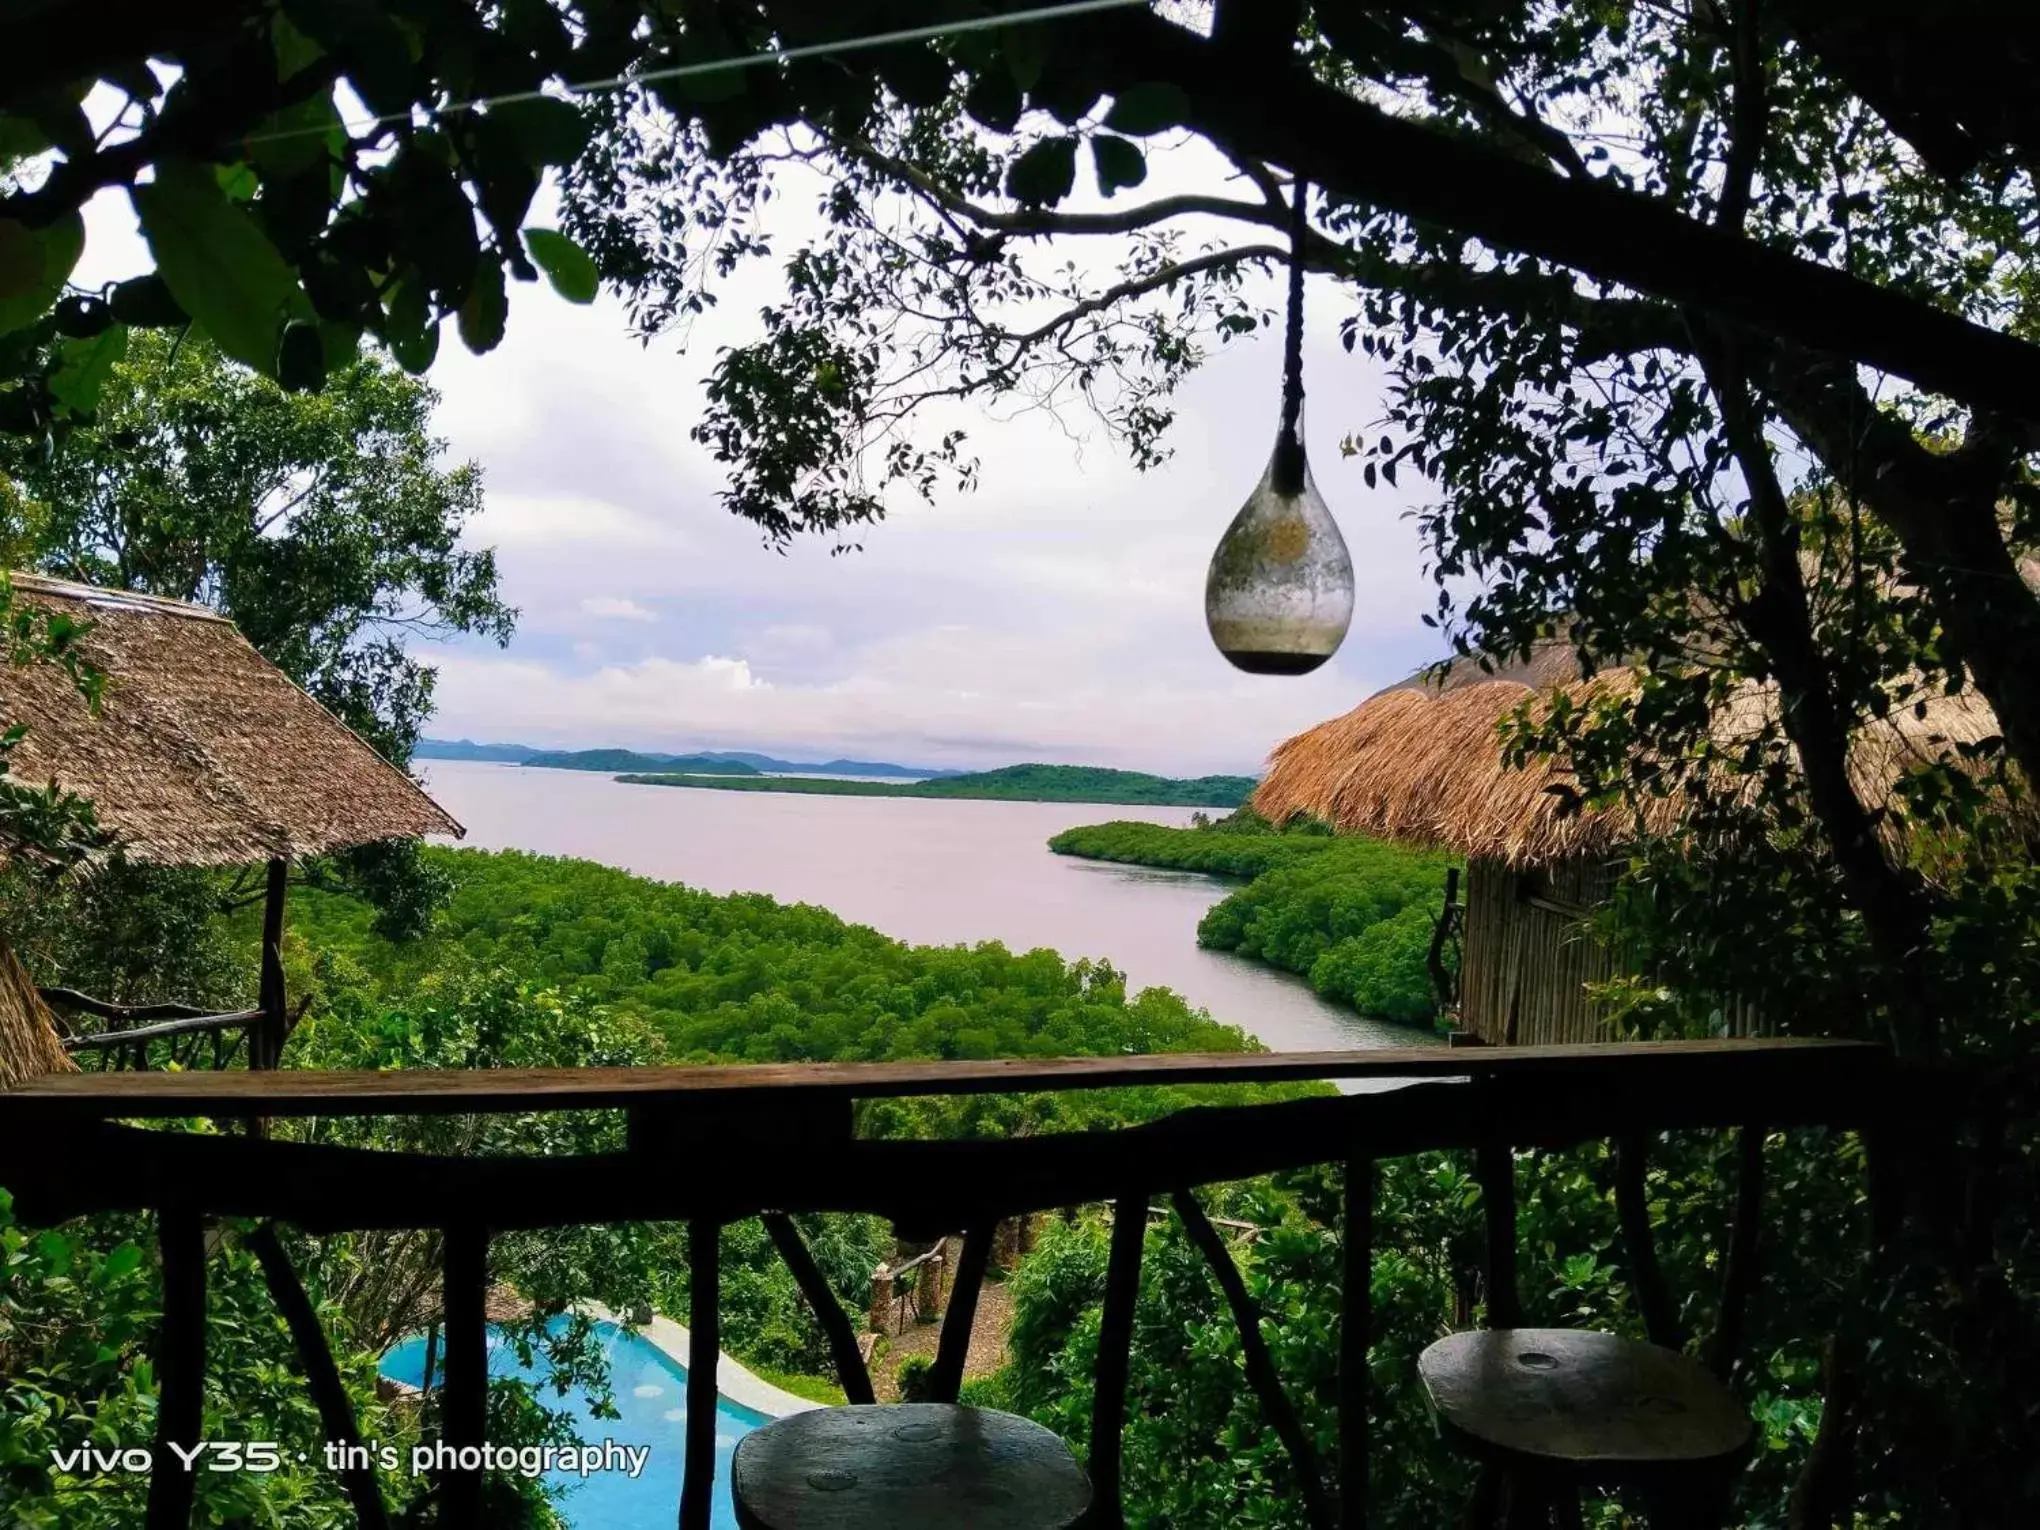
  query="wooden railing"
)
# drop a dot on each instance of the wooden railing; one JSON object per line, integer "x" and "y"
{"x": 781, "y": 1139}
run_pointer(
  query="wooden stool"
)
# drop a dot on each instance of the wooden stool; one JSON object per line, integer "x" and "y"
{"x": 1553, "y": 1410}
{"x": 905, "y": 1466}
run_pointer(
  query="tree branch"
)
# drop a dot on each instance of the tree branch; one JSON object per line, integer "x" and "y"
{"x": 1286, "y": 117}
{"x": 1165, "y": 276}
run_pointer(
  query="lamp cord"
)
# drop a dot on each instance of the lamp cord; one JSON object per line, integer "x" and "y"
{"x": 1290, "y": 450}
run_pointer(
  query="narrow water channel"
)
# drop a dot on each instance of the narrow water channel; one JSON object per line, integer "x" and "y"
{"x": 928, "y": 871}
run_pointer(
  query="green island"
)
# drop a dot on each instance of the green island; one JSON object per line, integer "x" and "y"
{"x": 1011, "y": 783}
{"x": 1353, "y": 916}
{"x": 613, "y": 760}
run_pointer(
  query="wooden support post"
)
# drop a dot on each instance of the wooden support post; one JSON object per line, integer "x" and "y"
{"x": 1496, "y": 1165}
{"x": 180, "y": 1371}
{"x": 1261, "y": 1372}
{"x": 850, "y": 1370}
{"x": 268, "y": 1049}
{"x": 945, "y": 1379}
{"x": 1740, "y": 1278}
{"x": 322, "y": 1378}
{"x": 1356, "y": 1323}
{"x": 704, "y": 1342}
{"x": 1632, "y": 1210}
{"x": 1115, "y": 1347}
{"x": 1443, "y": 987}
{"x": 464, "y": 1397}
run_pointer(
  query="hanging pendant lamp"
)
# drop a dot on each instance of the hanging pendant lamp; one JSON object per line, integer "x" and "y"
{"x": 1279, "y": 596}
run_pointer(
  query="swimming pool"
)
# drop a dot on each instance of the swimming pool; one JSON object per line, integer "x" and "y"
{"x": 650, "y": 1389}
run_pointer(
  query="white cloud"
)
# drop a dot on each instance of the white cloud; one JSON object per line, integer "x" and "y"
{"x": 1054, "y": 613}
{"x": 617, "y": 608}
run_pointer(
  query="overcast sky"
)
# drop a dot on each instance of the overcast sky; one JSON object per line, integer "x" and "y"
{"x": 1053, "y": 614}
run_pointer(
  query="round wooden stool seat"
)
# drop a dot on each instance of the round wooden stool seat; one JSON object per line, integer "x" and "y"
{"x": 1590, "y": 1407}
{"x": 904, "y": 1466}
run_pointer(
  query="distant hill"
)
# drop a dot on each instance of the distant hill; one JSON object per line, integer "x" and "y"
{"x": 462, "y": 749}
{"x": 614, "y": 760}
{"x": 706, "y": 761}
{"x": 1013, "y": 783}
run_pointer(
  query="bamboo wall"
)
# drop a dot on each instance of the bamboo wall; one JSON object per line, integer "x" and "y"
{"x": 1525, "y": 959}
{"x": 1525, "y": 962}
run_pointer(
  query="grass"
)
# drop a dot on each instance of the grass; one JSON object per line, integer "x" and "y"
{"x": 814, "y": 1389}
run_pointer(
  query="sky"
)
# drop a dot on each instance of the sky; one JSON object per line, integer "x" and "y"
{"x": 1054, "y": 613}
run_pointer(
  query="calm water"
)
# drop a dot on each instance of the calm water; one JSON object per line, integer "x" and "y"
{"x": 929, "y": 871}
{"x": 650, "y": 1391}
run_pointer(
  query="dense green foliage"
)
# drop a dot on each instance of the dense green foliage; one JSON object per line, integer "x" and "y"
{"x": 1010, "y": 783}
{"x": 629, "y": 759}
{"x": 744, "y": 978}
{"x": 1355, "y": 916}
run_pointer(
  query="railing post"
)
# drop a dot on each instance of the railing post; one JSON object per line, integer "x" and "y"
{"x": 464, "y": 1396}
{"x": 1496, "y": 1166}
{"x": 180, "y": 1371}
{"x": 704, "y": 1343}
{"x": 268, "y": 1049}
{"x": 1632, "y": 1210}
{"x": 1356, "y": 1322}
{"x": 1741, "y": 1274}
{"x": 1260, "y": 1365}
{"x": 322, "y": 1377}
{"x": 851, "y": 1373}
{"x": 1115, "y": 1346}
{"x": 952, "y": 1349}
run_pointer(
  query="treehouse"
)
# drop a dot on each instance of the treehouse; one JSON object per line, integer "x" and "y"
{"x": 1423, "y": 763}
{"x": 200, "y": 753}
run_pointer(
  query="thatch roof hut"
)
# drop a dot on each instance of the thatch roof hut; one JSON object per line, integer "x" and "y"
{"x": 203, "y": 753}
{"x": 1422, "y": 763}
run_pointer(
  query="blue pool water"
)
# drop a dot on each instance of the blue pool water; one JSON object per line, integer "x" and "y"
{"x": 650, "y": 1391}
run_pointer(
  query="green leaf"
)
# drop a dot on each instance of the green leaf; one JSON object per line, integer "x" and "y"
{"x": 342, "y": 342}
{"x": 301, "y": 358}
{"x": 1045, "y": 174}
{"x": 994, "y": 100}
{"x": 237, "y": 181}
{"x": 411, "y": 333}
{"x": 84, "y": 366}
{"x": 34, "y": 265}
{"x": 122, "y": 1261}
{"x": 144, "y": 302}
{"x": 1119, "y": 162}
{"x": 546, "y": 130}
{"x": 218, "y": 264}
{"x": 1151, "y": 107}
{"x": 565, "y": 263}
{"x": 1026, "y": 50}
{"x": 19, "y": 138}
{"x": 486, "y": 310}
{"x": 80, "y": 316}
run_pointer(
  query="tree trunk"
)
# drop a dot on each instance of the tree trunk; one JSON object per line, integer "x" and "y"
{"x": 1944, "y": 511}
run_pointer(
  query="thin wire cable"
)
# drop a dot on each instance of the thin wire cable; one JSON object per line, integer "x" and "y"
{"x": 745, "y": 61}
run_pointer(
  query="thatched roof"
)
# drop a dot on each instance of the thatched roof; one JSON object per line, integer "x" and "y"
{"x": 28, "y": 1039}
{"x": 203, "y": 753}
{"x": 1422, "y": 762}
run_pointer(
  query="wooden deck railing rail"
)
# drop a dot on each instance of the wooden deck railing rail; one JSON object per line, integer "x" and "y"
{"x": 784, "y": 1141}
